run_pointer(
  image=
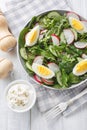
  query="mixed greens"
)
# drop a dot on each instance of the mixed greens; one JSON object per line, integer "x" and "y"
{"x": 63, "y": 54}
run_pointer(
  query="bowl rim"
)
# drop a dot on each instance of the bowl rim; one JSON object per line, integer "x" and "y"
{"x": 24, "y": 82}
{"x": 20, "y": 59}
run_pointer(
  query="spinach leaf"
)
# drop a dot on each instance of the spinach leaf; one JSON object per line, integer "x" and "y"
{"x": 73, "y": 79}
{"x": 21, "y": 39}
{"x": 31, "y": 23}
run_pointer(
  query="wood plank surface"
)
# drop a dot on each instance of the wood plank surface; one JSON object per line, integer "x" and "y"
{"x": 34, "y": 120}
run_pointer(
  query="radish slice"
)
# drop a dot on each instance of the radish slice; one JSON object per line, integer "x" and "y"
{"x": 48, "y": 81}
{"x": 43, "y": 31}
{"x": 69, "y": 36}
{"x": 55, "y": 39}
{"x": 80, "y": 45}
{"x": 75, "y": 34}
{"x": 54, "y": 67}
{"x": 36, "y": 24}
{"x": 38, "y": 60}
{"x": 37, "y": 78}
{"x": 73, "y": 14}
{"x": 41, "y": 36}
{"x": 84, "y": 56}
{"x": 84, "y": 22}
{"x": 41, "y": 28}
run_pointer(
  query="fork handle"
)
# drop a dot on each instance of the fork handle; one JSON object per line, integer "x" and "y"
{"x": 77, "y": 97}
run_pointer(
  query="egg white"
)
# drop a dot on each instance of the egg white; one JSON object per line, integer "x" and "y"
{"x": 29, "y": 35}
{"x": 82, "y": 22}
{"x": 75, "y": 69}
{"x": 85, "y": 25}
{"x": 35, "y": 69}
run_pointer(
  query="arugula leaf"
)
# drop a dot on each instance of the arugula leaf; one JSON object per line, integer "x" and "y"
{"x": 64, "y": 79}
{"x": 46, "y": 54}
{"x": 82, "y": 37}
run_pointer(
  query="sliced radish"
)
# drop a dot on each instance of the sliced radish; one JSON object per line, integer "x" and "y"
{"x": 75, "y": 34}
{"x": 73, "y": 14}
{"x": 43, "y": 31}
{"x": 84, "y": 56}
{"x": 41, "y": 36}
{"x": 38, "y": 60}
{"x": 48, "y": 81}
{"x": 54, "y": 67}
{"x": 36, "y": 24}
{"x": 80, "y": 45}
{"x": 41, "y": 28}
{"x": 37, "y": 78}
{"x": 55, "y": 39}
{"x": 69, "y": 36}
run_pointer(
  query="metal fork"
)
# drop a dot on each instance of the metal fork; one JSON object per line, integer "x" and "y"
{"x": 59, "y": 108}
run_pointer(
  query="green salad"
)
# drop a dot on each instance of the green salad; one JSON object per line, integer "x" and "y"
{"x": 53, "y": 47}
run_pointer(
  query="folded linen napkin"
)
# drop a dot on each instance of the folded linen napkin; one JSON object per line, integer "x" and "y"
{"x": 17, "y": 17}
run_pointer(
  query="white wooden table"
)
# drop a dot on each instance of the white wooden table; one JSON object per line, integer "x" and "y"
{"x": 33, "y": 119}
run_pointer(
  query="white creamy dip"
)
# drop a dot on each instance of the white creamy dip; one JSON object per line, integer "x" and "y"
{"x": 19, "y": 95}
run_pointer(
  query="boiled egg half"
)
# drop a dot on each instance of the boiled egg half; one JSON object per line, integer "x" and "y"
{"x": 80, "y": 68}
{"x": 78, "y": 25}
{"x": 42, "y": 71}
{"x": 32, "y": 36}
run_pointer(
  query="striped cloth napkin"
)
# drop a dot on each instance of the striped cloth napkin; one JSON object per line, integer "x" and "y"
{"x": 18, "y": 14}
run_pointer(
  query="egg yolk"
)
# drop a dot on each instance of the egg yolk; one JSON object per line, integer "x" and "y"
{"x": 33, "y": 36}
{"x": 82, "y": 66}
{"x": 44, "y": 71}
{"x": 77, "y": 24}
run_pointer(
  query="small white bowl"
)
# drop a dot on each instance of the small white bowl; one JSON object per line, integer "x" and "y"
{"x": 32, "y": 99}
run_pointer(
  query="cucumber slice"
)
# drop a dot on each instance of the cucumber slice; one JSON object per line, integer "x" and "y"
{"x": 62, "y": 38}
{"x": 29, "y": 66}
{"x": 53, "y": 14}
{"x": 52, "y": 50}
{"x": 79, "y": 59}
{"x": 23, "y": 53}
{"x": 75, "y": 33}
{"x": 58, "y": 76}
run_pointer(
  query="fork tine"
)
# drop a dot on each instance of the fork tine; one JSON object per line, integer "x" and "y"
{"x": 56, "y": 114}
{"x": 52, "y": 113}
{"x": 52, "y": 109}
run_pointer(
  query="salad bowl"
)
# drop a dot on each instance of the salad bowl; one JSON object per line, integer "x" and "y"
{"x": 58, "y": 46}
